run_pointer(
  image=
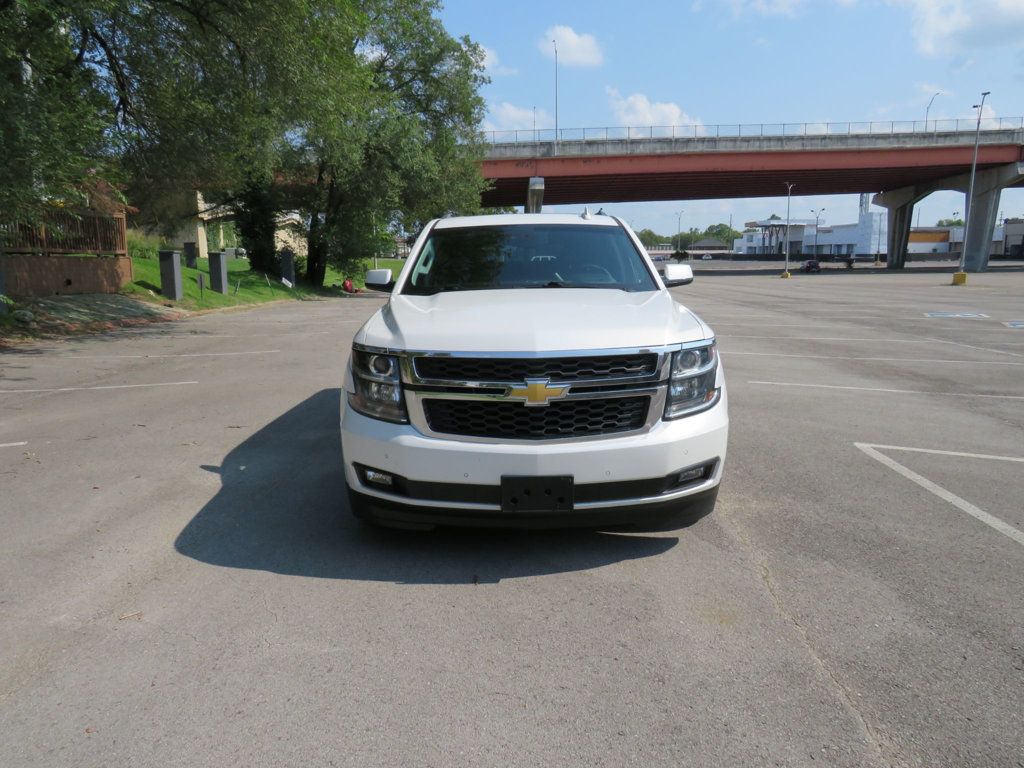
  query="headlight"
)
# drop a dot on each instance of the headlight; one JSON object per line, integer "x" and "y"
{"x": 691, "y": 385}
{"x": 378, "y": 383}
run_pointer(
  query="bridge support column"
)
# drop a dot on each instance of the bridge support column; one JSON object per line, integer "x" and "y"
{"x": 534, "y": 195}
{"x": 988, "y": 184}
{"x": 900, "y": 204}
{"x": 983, "y": 208}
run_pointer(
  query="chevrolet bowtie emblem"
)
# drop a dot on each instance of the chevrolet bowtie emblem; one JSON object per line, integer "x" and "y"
{"x": 537, "y": 392}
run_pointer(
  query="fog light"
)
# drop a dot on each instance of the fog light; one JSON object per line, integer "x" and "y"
{"x": 376, "y": 477}
{"x": 689, "y": 475}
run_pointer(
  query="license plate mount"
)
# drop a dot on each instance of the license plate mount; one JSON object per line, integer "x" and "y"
{"x": 525, "y": 493}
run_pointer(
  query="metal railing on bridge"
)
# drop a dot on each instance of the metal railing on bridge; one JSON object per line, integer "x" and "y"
{"x": 753, "y": 130}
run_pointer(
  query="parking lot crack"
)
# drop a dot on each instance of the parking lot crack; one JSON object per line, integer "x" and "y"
{"x": 848, "y": 699}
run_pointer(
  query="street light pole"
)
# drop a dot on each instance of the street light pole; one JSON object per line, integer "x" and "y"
{"x": 961, "y": 276}
{"x": 679, "y": 230}
{"x": 928, "y": 109}
{"x": 817, "y": 218}
{"x": 789, "y": 196}
{"x": 555, "y": 44}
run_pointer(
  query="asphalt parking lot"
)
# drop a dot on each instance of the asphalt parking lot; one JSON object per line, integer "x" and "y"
{"x": 181, "y": 584}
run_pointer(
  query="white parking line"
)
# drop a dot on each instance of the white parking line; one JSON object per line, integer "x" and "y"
{"x": 879, "y": 389}
{"x": 877, "y": 359}
{"x": 826, "y": 338}
{"x": 978, "y": 514}
{"x": 13, "y": 445}
{"x": 815, "y": 321}
{"x": 946, "y": 453}
{"x": 983, "y": 349}
{"x": 240, "y": 335}
{"x": 83, "y": 389}
{"x": 184, "y": 354}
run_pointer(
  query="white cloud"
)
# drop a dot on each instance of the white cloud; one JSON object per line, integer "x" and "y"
{"x": 574, "y": 49}
{"x": 636, "y": 110}
{"x": 509, "y": 117}
{"x": 987, "y": 112}
{"x": 931, "y": 89}
{"x": 764, "y": 7}
{"x": 493, "y": 65}
{"x": 948, "y": 25}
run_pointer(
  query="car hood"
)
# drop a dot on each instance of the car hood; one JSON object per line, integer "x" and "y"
{"x": 531, "y": 320}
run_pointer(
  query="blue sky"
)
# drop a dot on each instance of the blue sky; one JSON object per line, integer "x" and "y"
{"x": 748, "y": 61}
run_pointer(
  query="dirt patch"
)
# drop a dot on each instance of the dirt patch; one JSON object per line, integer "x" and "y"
{"x": 88, "y": 313}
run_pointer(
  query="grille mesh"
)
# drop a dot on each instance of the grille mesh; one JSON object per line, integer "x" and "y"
{"x": 560, "y": 419}
{"x": 516, "y": 370}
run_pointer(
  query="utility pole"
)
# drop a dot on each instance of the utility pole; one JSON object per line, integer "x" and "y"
{"x": 679, "y": 231}
{"x": 789, "y": 196}
{"x": 960, "y": 277}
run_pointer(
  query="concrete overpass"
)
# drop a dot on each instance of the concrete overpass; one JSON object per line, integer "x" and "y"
{"x": 902, "y": 165}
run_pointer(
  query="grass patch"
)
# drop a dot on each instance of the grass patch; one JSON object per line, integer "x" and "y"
{"x": 244, "y": 286}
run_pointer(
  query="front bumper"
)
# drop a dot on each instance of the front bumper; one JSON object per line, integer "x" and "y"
{"x": 473, "y": 470}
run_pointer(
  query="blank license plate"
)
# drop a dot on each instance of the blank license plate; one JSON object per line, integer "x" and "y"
{"x": 537, "y": 494}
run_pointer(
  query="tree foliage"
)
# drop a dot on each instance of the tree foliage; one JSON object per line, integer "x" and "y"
{"x": 651, "y": 238}
{"x": 949, "y": 223}
{"x": 361, "y": 115}
{"x": 408, "y": 152}
{"x": 52, "y": 113}
{"x": 722, "y": 232}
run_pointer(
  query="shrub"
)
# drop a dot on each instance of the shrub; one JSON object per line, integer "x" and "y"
{"x": 141, "y": 245}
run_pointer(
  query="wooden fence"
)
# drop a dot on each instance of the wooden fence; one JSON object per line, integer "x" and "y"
{"x": 66, "y": 233}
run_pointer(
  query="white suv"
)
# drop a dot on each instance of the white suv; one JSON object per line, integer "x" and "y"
{"x": 532, "y": 370}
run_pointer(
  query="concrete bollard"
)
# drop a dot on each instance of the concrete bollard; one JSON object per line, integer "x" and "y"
{"x": 170, "y": 275}
{"x": 219, "y": 272}
{"x": 288, "y": 265}
{"x": 191, "y": 255}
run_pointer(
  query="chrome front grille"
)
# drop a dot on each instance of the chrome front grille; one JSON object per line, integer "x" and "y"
{"x": 513, "y": 420}
{"x": 536, "y": 396}
{"x": 560, "y": 369}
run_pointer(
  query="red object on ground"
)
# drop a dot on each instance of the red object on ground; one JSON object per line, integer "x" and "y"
{"x": 347, "y": 286}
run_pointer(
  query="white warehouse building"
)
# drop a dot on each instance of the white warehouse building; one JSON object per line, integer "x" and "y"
{"x": 867, "y": 236}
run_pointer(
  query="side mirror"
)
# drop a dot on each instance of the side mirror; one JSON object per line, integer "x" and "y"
{"x": 379, "y": 280}
{"x": 678, "y": 274}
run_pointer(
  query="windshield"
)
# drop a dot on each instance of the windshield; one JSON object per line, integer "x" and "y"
{"x": 528, "y": 256}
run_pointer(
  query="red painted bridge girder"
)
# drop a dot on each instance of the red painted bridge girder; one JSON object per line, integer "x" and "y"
{"x": 707, "y": 175}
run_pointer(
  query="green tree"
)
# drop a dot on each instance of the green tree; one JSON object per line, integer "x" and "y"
{"x": 53, "y": 115}
{"x": 408, "y": 148}
{"x": 651, "y": 238}
{"x": 722, "y": 232}
{"x": 949, "y": 223}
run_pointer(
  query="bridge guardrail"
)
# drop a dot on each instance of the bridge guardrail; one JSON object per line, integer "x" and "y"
{"x": 744, "y": 130}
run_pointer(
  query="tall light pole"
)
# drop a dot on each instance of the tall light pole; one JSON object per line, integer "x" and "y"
{"x": 961, "y": 276}
{"x": 789, "y": 196}
{"x": 555, "y": 44}
{"x": 878, "y": 240}
{"x": 928, "y": 109}
{"x": 679, "y": 230}
{"x": 817, "y": 218}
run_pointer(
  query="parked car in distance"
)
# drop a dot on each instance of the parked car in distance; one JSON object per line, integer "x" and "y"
{"x": 532, "y": 370}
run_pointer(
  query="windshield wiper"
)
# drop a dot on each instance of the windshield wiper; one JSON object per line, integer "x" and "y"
{"x": 442, "y": 289}
{"x": 560, "y": 284}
